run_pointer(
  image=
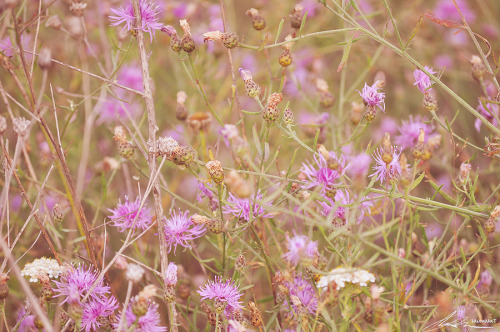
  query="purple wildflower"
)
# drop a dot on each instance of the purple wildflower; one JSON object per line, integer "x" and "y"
{"x": 489, "y": 113}
{"x": 337, "y": 207}
{"x": 179, "y": 230}
{"x": 300, "y": 247}
{"x": 422, "y": 81}
{"x": 113, "y": 109}
{"x": 79, "y": 280}
{"x": 206, "y": 192}
{"x": 323, "y": 176}
{"x": 410, "y": 130}
{"x": 10, "y": 50}
{"x": 95, "y": 310}
{"x": 149, "y": 322}
{"x": 372, "y": 97}
{"x": 359, "y": 165}
{"x": 171, "y": 275}
{"x": 126, "y": 213}
{"x": 28, "y": 323}
{"x": 306, "y": 294}
{"x": 485, "y": 280}
{"x": 385, "y": 171}
{"x": 149, "y": 15}
{"x": 446, "y": 9}
{"x": 131, "y": 76}
{"x": 241, "y": 207}
{"x": 225, "y": 291}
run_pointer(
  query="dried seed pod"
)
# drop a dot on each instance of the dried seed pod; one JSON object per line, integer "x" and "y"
{"x": 184, "y": 156}
{"x": 187, "y": 42}
{"x": 214, "y": 168}
{"x": 478, "y": 68}
{"x": 296, "y": 16}
{"x": 255, "y": 315}
{"x": 430, "y": 102}
{"x": 57, "y": 213}
{"x": 258, "y": 21}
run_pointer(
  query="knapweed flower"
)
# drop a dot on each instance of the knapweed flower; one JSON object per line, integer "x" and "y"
{"x": 485, "y": 280}
{"x": 336, "y": 208}
{"x": 359, "y": 165}
{"x": 372, "y": 97}
{"x": 387, "y": 171}
{"x": 342, "y": 275}
{"x": 42, "y": 266}
{"x": 422, "y": 81}
{"x": 149, "y": 17}
{"x": 95, "y": 310}
{"x": 300, "y": 247}
{"x": 222, "y": 291}
{"x": 206, "y": 192}
{"x": 28, "y": 323}
{"x": 149, "y": 322}
{"x": 112, "y": 109}
{"x": 171, "y": 275}
{"x": 324, "y": 173}
{"x": 79, "y": 280}
{"x": 127, "y": 215}
{"x": 446, "y": 9}
{"x": 490, "y": 112}
{"x": 131, "y": 76}
{"x": 305, "y": 293}
{"x": 179, "y": 230}
{"x": 410, "y": 130}
{"x": 242, "y": 207}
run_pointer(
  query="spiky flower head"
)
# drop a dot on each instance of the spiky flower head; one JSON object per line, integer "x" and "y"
{"x": 422, "y": 80}
{"x": 327, "y": 169}
{"x": 96, "y": 312}
{"x": 149, "y": 17}
{"x": 223, "y": 291}
{"x": 302, "y": 295}
{"x": 372, "y": 97}
{"x": 299, "y": 248}
{"x": 129, "y": 215}
{"x": 42, "y": 267}
{"x": 180, "y": 230}
{"x": 387, "y": 171}
{"x": 149, "y": 322}
{"x": 171, "y": 275}
{"x": 242, "y": 207}
{"x": 76, "y": 282}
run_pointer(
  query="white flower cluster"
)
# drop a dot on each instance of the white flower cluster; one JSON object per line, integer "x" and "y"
{"x": 42, "y": 266}
{"x": 342, "y": 275}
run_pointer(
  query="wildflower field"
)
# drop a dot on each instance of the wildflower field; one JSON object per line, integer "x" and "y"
{"x": 234, "y": 165}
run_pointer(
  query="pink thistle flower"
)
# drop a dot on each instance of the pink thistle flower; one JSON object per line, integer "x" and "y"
{"x": 422, "y": 81}
{"x": 28, "y": 323}
{"x": 149, "y": 17}
{"x": 95, "y": 310}
{"x": 372, "y": 97}
{"x": 446, "y": 9}
{"x": 225, "y": 291}
{"x": 410, "y": 130}
{"x": 359, "y": 165}
{"x": 179, "y": 230}
{"x": 337, "y": 207}
{"x": 305, "y": 293}
{"x": 131, "y": 76}
{"x": 171, "y": 275}
{"x": 112, "y": 109}
{"x": 323, "y": 176}
{"x": 79, "y": 280}
{"x": 149, "y": 322}
{"x": 126, "y": 213}
{"x": 206, "y": 192}
{"x": 385, "y": 171}
{"x": 488, "y": 112}
{"x": 300, "y": 247}
{"x": 241, "y": 207}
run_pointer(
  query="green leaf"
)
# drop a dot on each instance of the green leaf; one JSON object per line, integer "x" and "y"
{"x": 417, "y": 181}
{"x": 347, "y": 50}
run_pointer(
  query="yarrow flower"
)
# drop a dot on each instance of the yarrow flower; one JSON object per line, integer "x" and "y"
{"x": 42, "y": 266}
{"x": 387, "y": 171}
{"x": 325, "y": 173}
{"x": 125, "y": 214}
{"x": 300, "y": 247}
{"x": 149, "y": 322}
{"x": 241, "y": 207}
{"x": 222, "y": 291}
{"x": 422, "y": 81}
{"x": 79, "y": 280}
{"x": 342, "y": 276}
{"x": 305, "y": 293}
{"x": 372, "y": 97}
{"x": 149, "y": 17}
{"x": 95, "y": 310}
{"x": 179, "y": 230}
{"x": 410, "y": 130}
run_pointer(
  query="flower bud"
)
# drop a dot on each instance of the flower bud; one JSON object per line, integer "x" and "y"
{"x": 418, "y": 149}
{"x": 215, "y": 225}
{"x": 184, "y": 156}
{"x": 241, "y": 263}
{"x": 252, "y": 89}
{"x": 215, "y": 171}
{"x": 285, "y": 58}
{"x": 430, "y": 101}
{"x": 258, "y": 21}
{"x": 255, "y": 315}
{"x": 296, "y": 16}
{"x": 288, "y": 117}
{"x": 478, "y": 68}
{"x": 77, "y": 8}
{"x": 371, "y": 112}
{"x": 57, "y": 213}
{"x": 387, "y": 154}
{"x": 187, "y": 42}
